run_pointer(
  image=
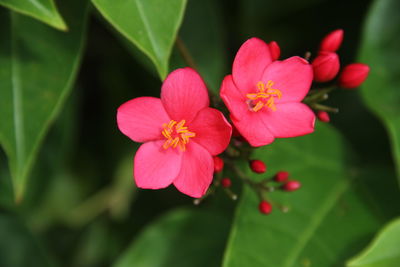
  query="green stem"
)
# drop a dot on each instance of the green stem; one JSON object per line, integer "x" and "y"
{"x": 318, "y": 95}
{"x": 256, "y": 186}
{"x": 324, "y": 108}
{"x": 184, "y": 51}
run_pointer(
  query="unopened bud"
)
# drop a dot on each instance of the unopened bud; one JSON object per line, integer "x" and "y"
{"x": 323, "y": 116}
{"x": 353, "y": 75}
{"x": 326, "y": 66}
{"x": 226, "y": 182}
{"x": 332, "y": 41}
{"x": 258, "y": 166}
{"x": 291, "y": 186}
{"x": 275, "y": 50}
{"x": 265, "y": 207}
{"x": 218, "y": 164}
{"x": 281, "y": 176}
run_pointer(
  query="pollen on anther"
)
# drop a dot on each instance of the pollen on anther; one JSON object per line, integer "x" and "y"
{"x": 265, "y": 97}
{"x": 177, "y": 135}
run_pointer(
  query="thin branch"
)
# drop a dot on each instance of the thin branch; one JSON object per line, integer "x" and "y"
{"x": 185, "y": 53}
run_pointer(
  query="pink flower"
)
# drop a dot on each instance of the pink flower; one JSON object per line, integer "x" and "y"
{"x": 264, "y": 97}
{"x": 180, "y": 133}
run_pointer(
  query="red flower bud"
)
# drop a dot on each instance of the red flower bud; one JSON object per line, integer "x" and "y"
{"x": 291, "y": 186}
{"x": 332, "y": 41}
{"x": 353, "y": 75}
{"x": 226, "y": 182}
{"x": 323, "y": 116}
{"x": 281, "y": 176}
{"x": 275, "y": 50}
{"x": 326, "y": 66}
{"x": 218, "y": 164}
{"x": 258, "y": 166}
{"x": 265, "y": 207}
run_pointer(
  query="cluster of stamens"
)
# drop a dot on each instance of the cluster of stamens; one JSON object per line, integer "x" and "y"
{"x": 265, "y": 97}
{"x": 177, "y": 135}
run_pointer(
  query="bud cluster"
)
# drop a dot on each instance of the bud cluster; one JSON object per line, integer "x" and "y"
{"x": 325, "y": 74}
{"x": 326, "y": 68}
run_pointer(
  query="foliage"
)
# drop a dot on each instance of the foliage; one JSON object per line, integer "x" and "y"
{"x": 66, "y": 192}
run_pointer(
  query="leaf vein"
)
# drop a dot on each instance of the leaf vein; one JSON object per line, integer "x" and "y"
{"x": 148, "y": 28}
{"x": 17, "y": 97}
{"x": 316, "y": 220}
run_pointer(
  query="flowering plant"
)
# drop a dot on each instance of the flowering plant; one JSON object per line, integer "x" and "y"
{"x": 265, "y": 99}
{"x": 199, "y": 133}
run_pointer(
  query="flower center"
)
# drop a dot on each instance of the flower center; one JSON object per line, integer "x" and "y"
{"x": 177, "y": 135}
{"x": 264, "y": 97}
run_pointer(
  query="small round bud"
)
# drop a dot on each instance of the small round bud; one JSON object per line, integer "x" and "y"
{"x": 218, "y": 164}
{"x": 323, "y": 116}
{"x": 332, "y": 41}
{"x": 258, "y": 166}
{"x": 226, "y": 182}
{"x": 275, "y": 50}
{"x": 265, "y": 207}
{"x": 291, "y": 186}
{"x": 281, "y": 176}
{"x": 353, "y": 75}
{"x": 325, "y": 66}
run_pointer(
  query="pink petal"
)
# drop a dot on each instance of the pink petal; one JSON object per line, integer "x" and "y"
{"x": 253, "y": 128}
{"x": 183, "y": 94}
{"x": 249, "y": 64}
{"x": 290, "y": 120}
{"x": 212, "y": 130}
{"x": 233, "y": 98}
{"x": 292, "y": 77}
{"x": 141, "y": 119}
{"x": 156, "y": 167}
{"x": 196, "y": 172}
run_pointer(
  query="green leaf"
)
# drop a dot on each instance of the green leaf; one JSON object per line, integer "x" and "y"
{"x": 327, "y": 220}
{"x": 181, "y": 238}
{"x": 38, "y": 66}
{"x": 43, "y": 10}
{"x": 152, "y": 25}
{"x": 380, "y": 50}
{"x": 383, "y": 251}
{"x": 18, "y": 248}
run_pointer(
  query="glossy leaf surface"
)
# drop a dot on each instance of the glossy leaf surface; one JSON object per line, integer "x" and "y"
{"x": 383, "y": 251}
{"x": 38, "y": 66}
{"x": 380, "y": 50}
{"x": 43, "y": 10}
{"x": 319, "y": 227}
{"x": 152, "y": 25}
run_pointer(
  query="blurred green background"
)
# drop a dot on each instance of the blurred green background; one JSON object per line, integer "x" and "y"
{"x": 80, "y": 206}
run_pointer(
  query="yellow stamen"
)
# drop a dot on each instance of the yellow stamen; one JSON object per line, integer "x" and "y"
{"x": 177, "y": 135}
{"x": 264, "y": 97}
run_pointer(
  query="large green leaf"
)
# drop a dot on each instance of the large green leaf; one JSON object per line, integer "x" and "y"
{"x": 151, "y": 25}
{"x": 44, "y": 10}
{"x": 18, "y": 248}
{"x": 38, "y": 66}
{"x": 328, "y": 219}
{"x": 380, "y": 50}
{"x": 383, "y": 251}
{"x": 181, "y": 238}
